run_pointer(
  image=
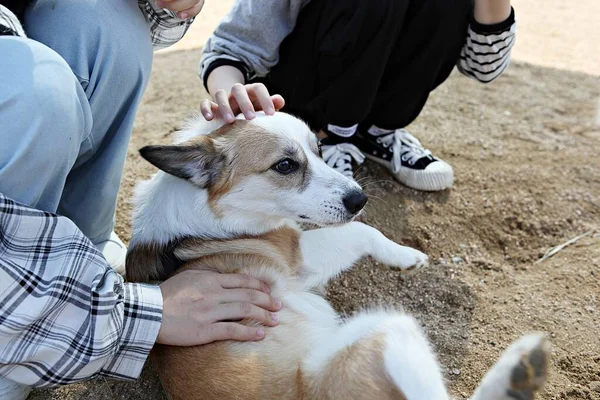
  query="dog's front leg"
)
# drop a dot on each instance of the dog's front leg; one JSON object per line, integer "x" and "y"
{"x": 329, "y": 251}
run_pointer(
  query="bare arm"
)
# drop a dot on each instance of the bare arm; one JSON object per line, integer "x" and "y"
{"x": 491, "y": 11}
{"x": 224, "y": 77}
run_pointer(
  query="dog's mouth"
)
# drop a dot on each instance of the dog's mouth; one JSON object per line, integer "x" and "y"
{"x": 322, "y": 222}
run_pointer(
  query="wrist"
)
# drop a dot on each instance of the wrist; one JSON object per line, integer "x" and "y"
{"x": 505, "y": 24}
{"x": 490, "y": 12}
{"x": 223, "y": 74}
{"x": 142, "y": 319}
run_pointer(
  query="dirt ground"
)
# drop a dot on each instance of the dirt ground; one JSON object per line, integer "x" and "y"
{"x": 525, "y": 152}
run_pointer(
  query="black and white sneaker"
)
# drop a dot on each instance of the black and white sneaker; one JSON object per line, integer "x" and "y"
{"x": 339, "y": 156}
{"x": 410, "y": 163}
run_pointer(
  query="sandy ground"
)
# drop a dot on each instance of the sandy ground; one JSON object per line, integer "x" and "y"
{"x": 525, "y": 153}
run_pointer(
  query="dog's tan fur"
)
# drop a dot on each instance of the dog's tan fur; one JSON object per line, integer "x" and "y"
{"x": 248, "y": 149}
{"x": 271, "y": 369}
{"x": 357, "y": 370}
{"x": 278, "y": 249}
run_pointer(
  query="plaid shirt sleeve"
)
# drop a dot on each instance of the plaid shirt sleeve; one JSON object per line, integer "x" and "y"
{"x": 64, "y": 314}
{"x": 166, "y": 28}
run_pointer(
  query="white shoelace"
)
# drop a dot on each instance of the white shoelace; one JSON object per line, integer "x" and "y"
{"x": 340, "y": 156}
{"x": 404, "y": 147}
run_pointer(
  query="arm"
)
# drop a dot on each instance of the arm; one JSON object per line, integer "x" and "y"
{"x": 245, "y": 45}
{"x": 250, "y": 36}
{"x": 223, "y": 78}
{"x": 66, "y": 316}
{"x": 489, "y": 12}
{"x": 490, "y": 39}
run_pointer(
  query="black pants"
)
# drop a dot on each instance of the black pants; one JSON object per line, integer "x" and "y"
{"x": 368, "y": 61}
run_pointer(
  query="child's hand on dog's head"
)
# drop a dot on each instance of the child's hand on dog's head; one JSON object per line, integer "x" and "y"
{"x": 246, "y": 99}
{"x": 199, "y": 307}
{"x": 184, "y": 8}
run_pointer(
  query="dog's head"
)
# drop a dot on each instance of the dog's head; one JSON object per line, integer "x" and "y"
{"x": 262, "y": 169}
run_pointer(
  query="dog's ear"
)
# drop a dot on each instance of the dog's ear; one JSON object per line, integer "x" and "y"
{"x": 198, "y": 162}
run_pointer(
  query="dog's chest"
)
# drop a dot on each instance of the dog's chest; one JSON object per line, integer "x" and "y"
{"x": 312, "y": 308}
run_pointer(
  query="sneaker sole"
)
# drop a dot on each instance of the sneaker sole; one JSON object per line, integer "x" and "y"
{"x": 427, "y": 181}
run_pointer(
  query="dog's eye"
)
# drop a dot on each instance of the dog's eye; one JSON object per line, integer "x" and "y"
{"x": 320, "y": 149}
{"x": 286, "y": 166}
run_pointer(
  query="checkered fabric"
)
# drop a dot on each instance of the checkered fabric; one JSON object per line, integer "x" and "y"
{"x": 64, "y": 314}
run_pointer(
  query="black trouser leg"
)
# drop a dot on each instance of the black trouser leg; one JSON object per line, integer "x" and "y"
{"x": 331, "y": 64}
{"x": 357, "y": 61}
{"x": 423, "y": 57}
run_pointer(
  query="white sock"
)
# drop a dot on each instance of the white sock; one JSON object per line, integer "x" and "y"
{"x": 377, "y": 131}
{"x": 342, "y": 131}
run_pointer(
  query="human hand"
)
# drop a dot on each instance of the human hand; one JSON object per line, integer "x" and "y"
{"x": 184, "y": 8}
{"x": 243, "y": 98}
{"x": 199, "y": 307}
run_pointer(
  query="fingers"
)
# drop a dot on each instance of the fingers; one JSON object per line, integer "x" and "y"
{"x": 239, "y": 92}
{"x": 239, "y": 281}
{"x": 191, "y": 12}
{"x": 278, "y": 102}
{"x": 234, "y": 331}
{"x": 251, "y": 296}
{"x": 261, "y": 96}
{"x": 243, "y": 98}
{"x": 207, "y": 108}
{"x": 239, "y": 310}
{"x": 222, "y": 100}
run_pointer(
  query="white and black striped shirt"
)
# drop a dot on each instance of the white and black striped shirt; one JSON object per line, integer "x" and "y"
{"x": 486, "y": 52}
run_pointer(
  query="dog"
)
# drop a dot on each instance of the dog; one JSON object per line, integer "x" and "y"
{"x": 229, "y": 198}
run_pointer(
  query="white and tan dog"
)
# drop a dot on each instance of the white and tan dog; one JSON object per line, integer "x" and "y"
{"x": 228, "y": 199}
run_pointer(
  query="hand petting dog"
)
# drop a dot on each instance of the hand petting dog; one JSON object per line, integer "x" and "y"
{"x": 231, "y": 96}
{"x": 199, "y": 307}
{"x": 246, "y": 99}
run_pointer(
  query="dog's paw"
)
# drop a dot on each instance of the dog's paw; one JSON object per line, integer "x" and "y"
{"x": 402, "y": 257}
{"x": 529, "y": 373}
{"x": 520, "y": 373}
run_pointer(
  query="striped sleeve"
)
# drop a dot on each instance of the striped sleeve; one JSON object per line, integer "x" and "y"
{"x": 9, "y": 23}
{"x": 486, "y": 52}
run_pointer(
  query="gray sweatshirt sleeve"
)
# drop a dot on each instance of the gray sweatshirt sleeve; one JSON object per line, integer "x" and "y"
{"x": 250, "y": 35}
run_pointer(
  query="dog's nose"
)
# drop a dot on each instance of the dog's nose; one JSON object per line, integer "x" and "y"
{"x": 355, "y": 201}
